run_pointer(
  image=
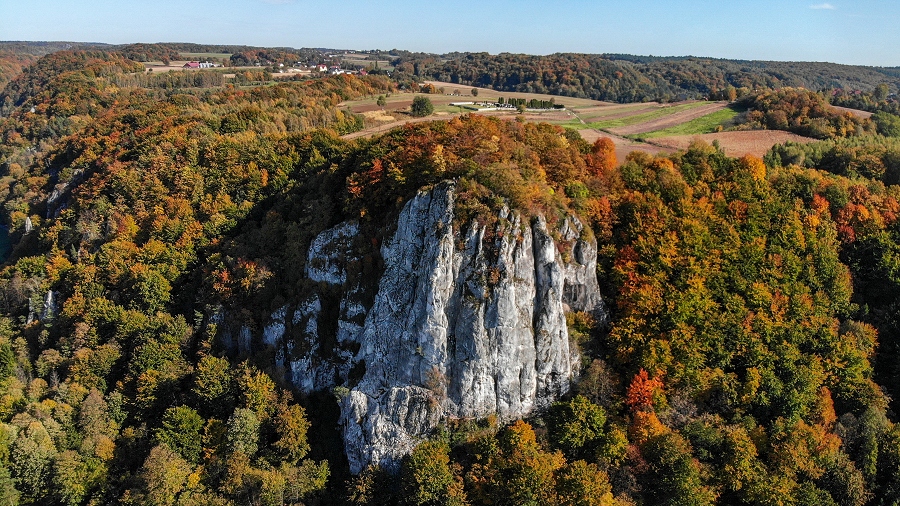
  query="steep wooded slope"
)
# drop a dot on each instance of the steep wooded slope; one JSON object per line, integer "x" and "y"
{"x": 163, "y": 238}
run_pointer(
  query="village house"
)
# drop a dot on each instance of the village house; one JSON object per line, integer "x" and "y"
{"x": 199, "y": 65}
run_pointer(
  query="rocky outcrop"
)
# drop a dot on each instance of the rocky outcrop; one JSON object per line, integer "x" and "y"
{"x": 464, "y": 332}
{"x": 461, "y": 323}
{"x": 297, "y": 334}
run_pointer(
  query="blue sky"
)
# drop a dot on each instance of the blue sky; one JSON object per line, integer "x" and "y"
{"x": 863, "y": 32}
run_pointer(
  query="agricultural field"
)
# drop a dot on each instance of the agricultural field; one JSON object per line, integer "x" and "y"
{"x": 708, "y": 123}
{"x": 740, "y": 143}
{"x": 607, "y": 112}
{"x": 670, "y": 117}
{"x": 649, "y": 127}
{"x": 363, "y": 61}
{"x": 647, "y": 119}
{"x": 854, "y": 112}
{"x": 656, "y": 128}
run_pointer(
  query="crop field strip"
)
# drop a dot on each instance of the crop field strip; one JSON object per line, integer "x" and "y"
{"x": 591, "y": 114}
{"x": 736, "y": 144}
{"x": 671, "y": 120}
{"x": 644, "y": 117}
{"x": 703, "y": 125}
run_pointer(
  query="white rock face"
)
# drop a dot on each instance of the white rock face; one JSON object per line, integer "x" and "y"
{"x": 464, "y": 332}
{"x": 328, "y": 253}
{"x": 310, "y": 368}
{"x": 464, "y": 323}
{"x": 298, "y": 338}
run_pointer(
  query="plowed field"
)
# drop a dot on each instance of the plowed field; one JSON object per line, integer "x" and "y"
{"x": 752, "y": 142}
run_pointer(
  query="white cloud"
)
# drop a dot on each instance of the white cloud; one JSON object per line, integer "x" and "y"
{"x": 825, "y": 6}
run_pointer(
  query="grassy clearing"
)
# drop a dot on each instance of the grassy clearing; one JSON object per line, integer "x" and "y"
{"x": 702, "y": 125}
{"x": 644, "y": 117}
{"x": 452, "y": 109}
{"x": 572, "y": 123}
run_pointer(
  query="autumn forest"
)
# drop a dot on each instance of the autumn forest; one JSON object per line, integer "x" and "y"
{"x": 752, "y": 350}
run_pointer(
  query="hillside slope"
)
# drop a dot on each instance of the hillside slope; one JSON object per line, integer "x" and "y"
{"x": 211, "y": 299}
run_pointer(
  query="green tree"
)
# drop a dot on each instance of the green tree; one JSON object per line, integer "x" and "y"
{"x": 428, "y": 479}
{"x": 7, "y": 359}
{"x": 180, "y": 432}
{"x": 583, "y": 484}
{"x": 474, "y": 92}
{"x": 94, "y": 420}
{"x": 887, "y": 124}
{"x": 514, "y": 469}
{"x": 673, "y": 477}
{"x": 165, "y": 476}
{"x": 303, "y": 480}
{"x": 9, "y": 496}
{"x": 291, "y": 427}
{"x": 421, "y": 107}
{"x": 212, "y": 385}
{"x": 31, "y": 461}
{"x": 242, "y": 434}
{"x": 576, "y": 426}
{"x": 74, "y": 477}
{"x": 843, "y": 481}
{"x": 258, "y": 391}
{"x": 381, "y": 102}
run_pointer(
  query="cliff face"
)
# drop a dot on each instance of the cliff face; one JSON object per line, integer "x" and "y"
{"x": 463, "y": 324}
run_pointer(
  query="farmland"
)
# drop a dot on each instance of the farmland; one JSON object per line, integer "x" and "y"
{"x": 649, "y": 127}
{"x": 740, "y": 143}
{"x": 632, "y": 123}
{"x": 700, "y": 125}
{"x": 671, "y": 117}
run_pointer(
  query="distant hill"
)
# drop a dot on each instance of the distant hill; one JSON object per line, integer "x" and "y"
{"x": 628, "y": 78}
{"x": 16, "y": 55}
{"x": 612, "y": 77}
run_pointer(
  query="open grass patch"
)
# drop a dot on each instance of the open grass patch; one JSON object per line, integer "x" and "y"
{"x": 702, "y": 125}
{"x": 572, "y": 123}
{"x": 644, "y": 117}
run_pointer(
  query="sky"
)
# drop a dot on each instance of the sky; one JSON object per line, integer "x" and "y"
{"x": 862, "y": 32}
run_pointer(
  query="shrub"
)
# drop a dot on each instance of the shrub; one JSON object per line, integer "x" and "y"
{"x": 422, "y": 107}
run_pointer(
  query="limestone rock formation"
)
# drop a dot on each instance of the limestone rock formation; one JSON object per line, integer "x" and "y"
{"x": 462, "y": 323}
{"x": 464, "y": 332}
